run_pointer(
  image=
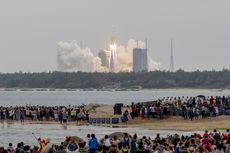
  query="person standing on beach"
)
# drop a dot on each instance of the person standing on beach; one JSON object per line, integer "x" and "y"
{"x": 22, "y": 116}
{"x": 142, "y": 113}
{"x": 115, "y": 141}
{"x": 11, "y": 114}
{"x": 134, "y": 144}
{"x": 133, "y": 110}
{"x": 60, "y": 116}
{"x": 48, "y": 146}
{"x": 127, "y": 140}
{"x": 17, "y": 114}
{"x": 64, "y": 117}
{"x": 106, "y": 143}
{"x": 158, "y": 111}
{"x": 93, "y": 144}
{"x": 10, "y": 148}
{"x": 124, "y": 149}
{"x": 161, "y": 112}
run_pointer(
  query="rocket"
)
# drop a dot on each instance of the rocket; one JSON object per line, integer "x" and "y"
{"x": 113, "y": 56}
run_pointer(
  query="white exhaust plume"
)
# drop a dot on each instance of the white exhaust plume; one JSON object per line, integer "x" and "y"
{"x": 125, "y": 57}
{"x": 73, "y": 58}
{"x": 153, "y": 65}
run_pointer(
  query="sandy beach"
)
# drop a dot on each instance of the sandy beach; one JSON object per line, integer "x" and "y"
{"x": 178, "y": 123}
{"x": 170, "y": 123}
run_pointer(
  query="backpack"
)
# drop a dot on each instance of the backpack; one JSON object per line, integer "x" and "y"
{"x": 72, "y": 147}
{"x": 216, "y": 136}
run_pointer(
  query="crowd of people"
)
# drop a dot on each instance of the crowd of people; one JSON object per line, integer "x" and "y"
{"x": 207, "y": 142}
{"x": 187, "y": 107}
{"x": 44, "y": 113}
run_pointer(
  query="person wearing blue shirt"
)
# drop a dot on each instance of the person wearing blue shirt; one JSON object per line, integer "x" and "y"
{"x": 93, "y": 144}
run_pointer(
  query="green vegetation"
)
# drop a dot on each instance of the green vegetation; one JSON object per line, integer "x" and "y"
{"x": 122, "y": 80}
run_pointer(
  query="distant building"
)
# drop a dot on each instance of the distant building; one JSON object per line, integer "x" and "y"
{"x": 104, "y": 55}
{"x": 140, "y": 60}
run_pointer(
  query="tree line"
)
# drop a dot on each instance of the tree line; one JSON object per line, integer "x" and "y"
{"x": 147, "y": 80}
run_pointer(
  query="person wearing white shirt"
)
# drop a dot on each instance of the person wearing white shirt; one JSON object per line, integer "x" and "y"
{"x": 106, "y": 142}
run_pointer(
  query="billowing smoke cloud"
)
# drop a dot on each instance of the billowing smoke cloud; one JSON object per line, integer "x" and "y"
{"x": 125, "y": 57}
{"x": 153, "y": 65}
{"x": 73, "y": 58}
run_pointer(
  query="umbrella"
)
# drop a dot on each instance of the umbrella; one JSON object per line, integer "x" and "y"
{"x": 76, "y": 138}
{"x": 119, "y": 135}
{"x": 201, "y": 96}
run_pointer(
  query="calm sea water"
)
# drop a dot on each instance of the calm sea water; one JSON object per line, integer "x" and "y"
{"x": 101, "y": 97}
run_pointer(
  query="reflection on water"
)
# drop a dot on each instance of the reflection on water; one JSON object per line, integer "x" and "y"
{"x": 64, "y": 126}
{"x": 17, "y": 132}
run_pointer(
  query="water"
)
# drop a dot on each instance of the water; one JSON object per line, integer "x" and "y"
{"x": 16, "y": 133}
{"x": 77, "y": 97}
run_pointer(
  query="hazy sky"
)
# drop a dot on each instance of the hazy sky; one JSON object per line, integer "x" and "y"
{"x": 30, "y": 30}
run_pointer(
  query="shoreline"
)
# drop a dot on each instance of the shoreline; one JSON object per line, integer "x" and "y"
{"x": 170, "y": 124}
{"x": 107, "y": 89}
